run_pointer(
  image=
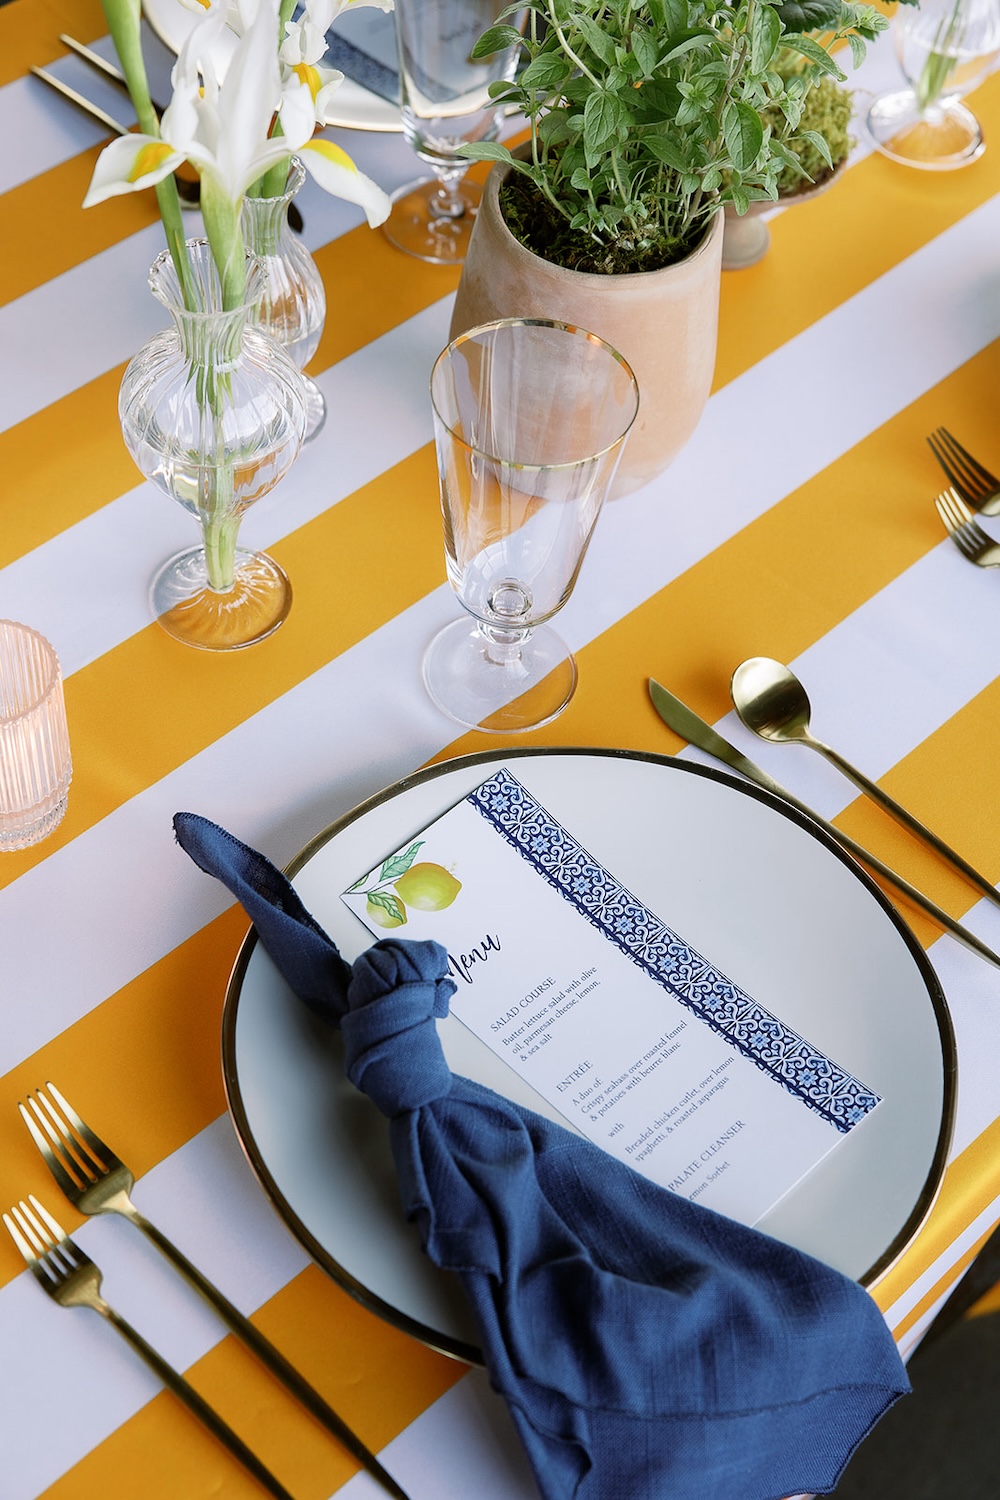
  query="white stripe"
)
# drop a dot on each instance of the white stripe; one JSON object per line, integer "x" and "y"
{"x": 106, "y": 300}
{"x": 720, "y": 482}
{"x": 125, "y": 913}
{"x": 110, "y": 291}
{"x": 463, "y": 1445}
{"x": 945, "y": 1262}
{"x": 206, "y": 1200}
{"x": 47, "y": 128}
{"x": 87, "y": 608}
{"x": 617, "y": 577}
{"x": 106, "y": 304}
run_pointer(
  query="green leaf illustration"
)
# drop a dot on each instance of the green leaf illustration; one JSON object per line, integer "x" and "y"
{"x": 385, "y": 910}
{"x": 398, "y": 864}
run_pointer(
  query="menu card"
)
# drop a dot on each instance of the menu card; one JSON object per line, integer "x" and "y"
{"x": 634, "y": 1037}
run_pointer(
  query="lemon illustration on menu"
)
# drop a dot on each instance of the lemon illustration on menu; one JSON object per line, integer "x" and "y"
{"x": 403, "y": 881}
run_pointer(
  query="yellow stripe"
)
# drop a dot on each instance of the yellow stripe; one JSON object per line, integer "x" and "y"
{"x": 785, "y": 580}
{"x": 63, "y": 463}
{"x": 988, "y": 1303}
{"x": 200, "y": 695}
{"x": 67, "y": 460}
{"x": 940, "y": 1290}
{"x": 885, "y": 210}
{"x": 29, "y": 32}
{"x": 971, "y": 1184}
{"x": 378, "y": 1380}
{"x": 760, "y": 308}
{"x": 778, "y": 585}
{"x": 681, "y": 635}
{"x": 48, "y": 231}
{"x": 142, "y": 1066}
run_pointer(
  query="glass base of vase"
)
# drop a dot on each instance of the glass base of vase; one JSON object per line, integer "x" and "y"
{"x": 418, "y": 226}
{"x": 189, "y": 609}
{"x": 939, "y": 139}
{"x": 499, "y": 690}
{"x": 315, "y": 408}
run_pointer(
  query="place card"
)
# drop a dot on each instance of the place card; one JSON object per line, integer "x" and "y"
{"x": 636, "y": 1039}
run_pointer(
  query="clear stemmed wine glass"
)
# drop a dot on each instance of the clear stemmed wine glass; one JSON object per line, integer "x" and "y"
{"x": 445, "y": 102}
{"x": 945, "y": 48}
{"x": 530, "y": 420}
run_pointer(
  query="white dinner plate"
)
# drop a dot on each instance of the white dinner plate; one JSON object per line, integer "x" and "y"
{"x": 760, "y": 890}
{"x": 353, "y": 106}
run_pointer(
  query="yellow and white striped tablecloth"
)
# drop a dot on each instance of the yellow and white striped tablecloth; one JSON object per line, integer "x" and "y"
{"x": 798, "y": 523}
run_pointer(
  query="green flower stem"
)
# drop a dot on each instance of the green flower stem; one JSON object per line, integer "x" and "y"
{"x": 220, "y": 535}
{"x": 123, "y": 18}
{"x": 939, "y": 65}
{"x": 272, "y": 184}
{"x": 222, "y": 225}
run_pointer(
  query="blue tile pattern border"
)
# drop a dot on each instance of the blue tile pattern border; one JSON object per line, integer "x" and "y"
{"x": 777, "y": 1050}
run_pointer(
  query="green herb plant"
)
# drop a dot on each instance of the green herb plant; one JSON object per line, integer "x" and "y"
{"x": 827, "y": 113}
{"x": 647, "y": 116}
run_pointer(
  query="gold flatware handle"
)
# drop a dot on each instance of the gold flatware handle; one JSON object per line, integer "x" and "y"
{"x": 81, "y": 102}
{"x": 912, "y": 824}
{"x": 196, "y": 1404}
{"x": 268, "y": 1355}
{"x": 93, "y": 58}
{"x": 685, "y": 722}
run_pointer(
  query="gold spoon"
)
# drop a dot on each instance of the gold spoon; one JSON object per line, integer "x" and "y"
{"x": 772, "y": 702}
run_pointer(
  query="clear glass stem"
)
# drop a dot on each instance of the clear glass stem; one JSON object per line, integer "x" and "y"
{"x": 503, "y": 647}
{"x": 448, "y": 202}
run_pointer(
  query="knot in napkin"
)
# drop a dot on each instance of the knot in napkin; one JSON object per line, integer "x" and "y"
{"x": 647, "y": 1347}
{"x": 392, "y": 1053}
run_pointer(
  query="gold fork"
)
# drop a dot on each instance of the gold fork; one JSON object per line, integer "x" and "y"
{"x": 72, "y": 1279}
{"x": 976, "y": 485}
{"x": 96, "y": 1181}
{"x": 970, "y": 538}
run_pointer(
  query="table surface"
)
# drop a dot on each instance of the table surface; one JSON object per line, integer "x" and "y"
{"x": 798, "y": 523}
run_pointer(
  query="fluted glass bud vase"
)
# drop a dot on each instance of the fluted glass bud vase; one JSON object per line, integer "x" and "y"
{"x": 293, "y": 306}
{"x": 213, "y": 412}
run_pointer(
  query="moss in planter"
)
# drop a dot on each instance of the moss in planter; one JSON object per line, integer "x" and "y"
{"x": 828, "y": 112}
{"x": 532, "y": 220}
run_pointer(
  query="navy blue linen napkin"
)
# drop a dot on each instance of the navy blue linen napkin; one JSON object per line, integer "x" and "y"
{"x": 648, "y": 1348}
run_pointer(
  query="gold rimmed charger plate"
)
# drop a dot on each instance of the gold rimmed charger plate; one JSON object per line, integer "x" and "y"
{"x": 353, "y": 107}
{"x": 749, "y": 882}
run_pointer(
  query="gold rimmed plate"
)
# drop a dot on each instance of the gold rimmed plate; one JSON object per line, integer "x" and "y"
{"x": 749, "y": 882}
{"x": 353, "y": 106}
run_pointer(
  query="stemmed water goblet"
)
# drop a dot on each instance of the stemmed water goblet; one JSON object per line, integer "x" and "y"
{"x": 530, "y": 420}
{"x": 445, "y": 100}
{"x": 945, "y": 48}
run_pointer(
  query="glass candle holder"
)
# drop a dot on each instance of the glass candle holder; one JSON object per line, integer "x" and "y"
{"x": 35, "y": 763}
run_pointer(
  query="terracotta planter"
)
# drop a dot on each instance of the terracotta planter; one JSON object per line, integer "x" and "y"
{"x": 665, "y": 323}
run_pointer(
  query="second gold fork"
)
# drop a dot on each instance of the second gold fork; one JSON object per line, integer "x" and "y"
{"x": 968, "y": 536}
{"x": 97, "y": 1181}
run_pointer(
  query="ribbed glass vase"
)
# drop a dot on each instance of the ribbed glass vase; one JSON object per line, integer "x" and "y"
{"x": 293, "y": 305}
{"x": 213, "y": 413}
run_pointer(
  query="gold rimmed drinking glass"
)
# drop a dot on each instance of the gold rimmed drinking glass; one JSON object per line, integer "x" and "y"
{"x": 530, "y": 420}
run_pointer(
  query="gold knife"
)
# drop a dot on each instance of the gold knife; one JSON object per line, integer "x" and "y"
{"x": 685, "y": 722}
